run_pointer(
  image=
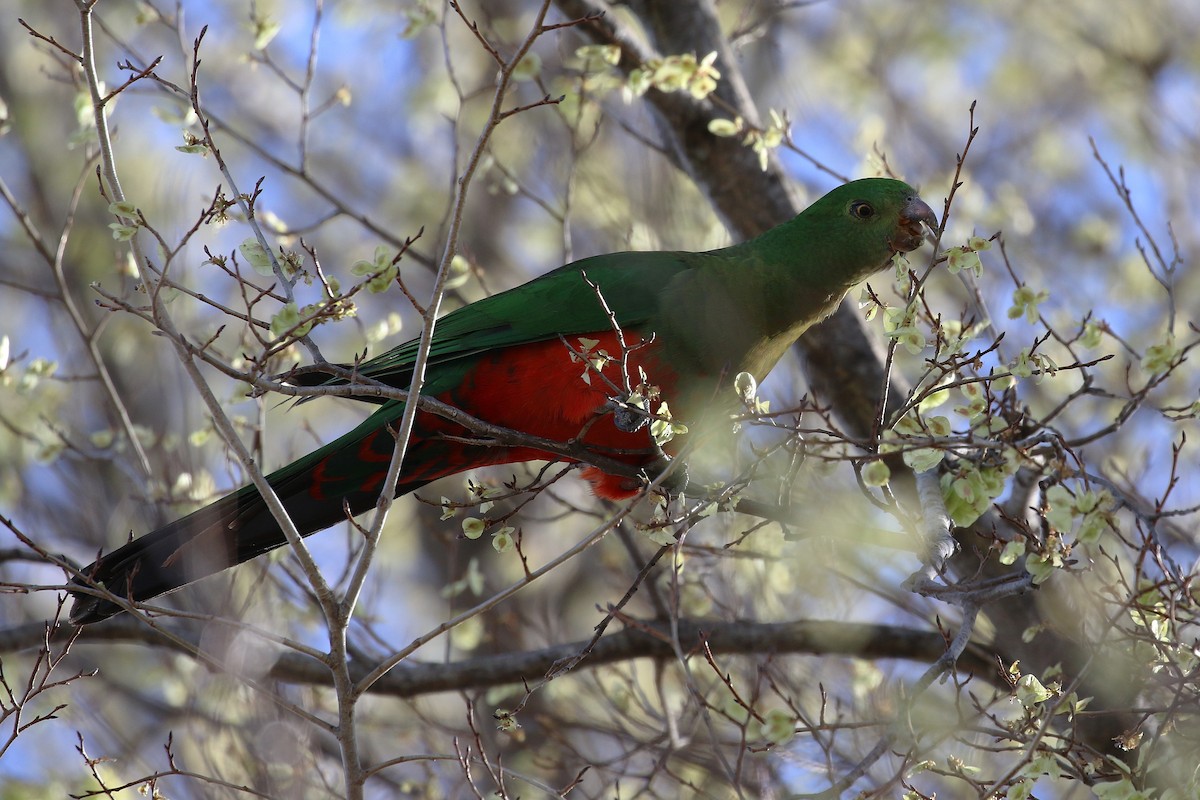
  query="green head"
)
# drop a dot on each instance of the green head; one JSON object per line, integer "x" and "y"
{"x": 854, "y": 230}
{"x": 745, "y": 305}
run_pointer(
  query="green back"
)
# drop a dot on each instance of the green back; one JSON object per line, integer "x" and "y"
{"x": 728, "y": 310}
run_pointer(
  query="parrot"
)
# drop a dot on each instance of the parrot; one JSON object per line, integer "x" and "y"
{"x": 559, "y": 358}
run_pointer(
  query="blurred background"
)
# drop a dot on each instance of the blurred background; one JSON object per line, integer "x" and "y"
{"x": 352, "y": 121}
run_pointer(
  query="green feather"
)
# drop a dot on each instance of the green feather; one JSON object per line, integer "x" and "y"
{"x": 736, "y": 308}
{"x": 711, "y": 315}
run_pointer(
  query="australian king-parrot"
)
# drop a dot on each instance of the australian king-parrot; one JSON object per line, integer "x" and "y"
{"x": 689, "y": 322}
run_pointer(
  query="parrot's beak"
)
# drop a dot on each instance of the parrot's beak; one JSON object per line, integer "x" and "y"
{"x": 915, "y": 217}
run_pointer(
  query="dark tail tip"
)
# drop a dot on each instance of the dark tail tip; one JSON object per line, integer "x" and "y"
{"x": 88, "y": 609}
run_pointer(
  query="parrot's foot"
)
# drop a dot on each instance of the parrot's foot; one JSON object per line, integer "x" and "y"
{"x": 629, "y": 418}
{"x": 676, "y": 479}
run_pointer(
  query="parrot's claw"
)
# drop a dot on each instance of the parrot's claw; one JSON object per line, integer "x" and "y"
{"x": 675, "y": 482}
{"x": 629, "y": 419}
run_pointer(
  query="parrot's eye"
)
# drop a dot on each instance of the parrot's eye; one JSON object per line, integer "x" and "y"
{"x": 861, "y": 209}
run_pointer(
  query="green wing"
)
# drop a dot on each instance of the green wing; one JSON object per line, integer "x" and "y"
{"x": 559, "y": 303}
